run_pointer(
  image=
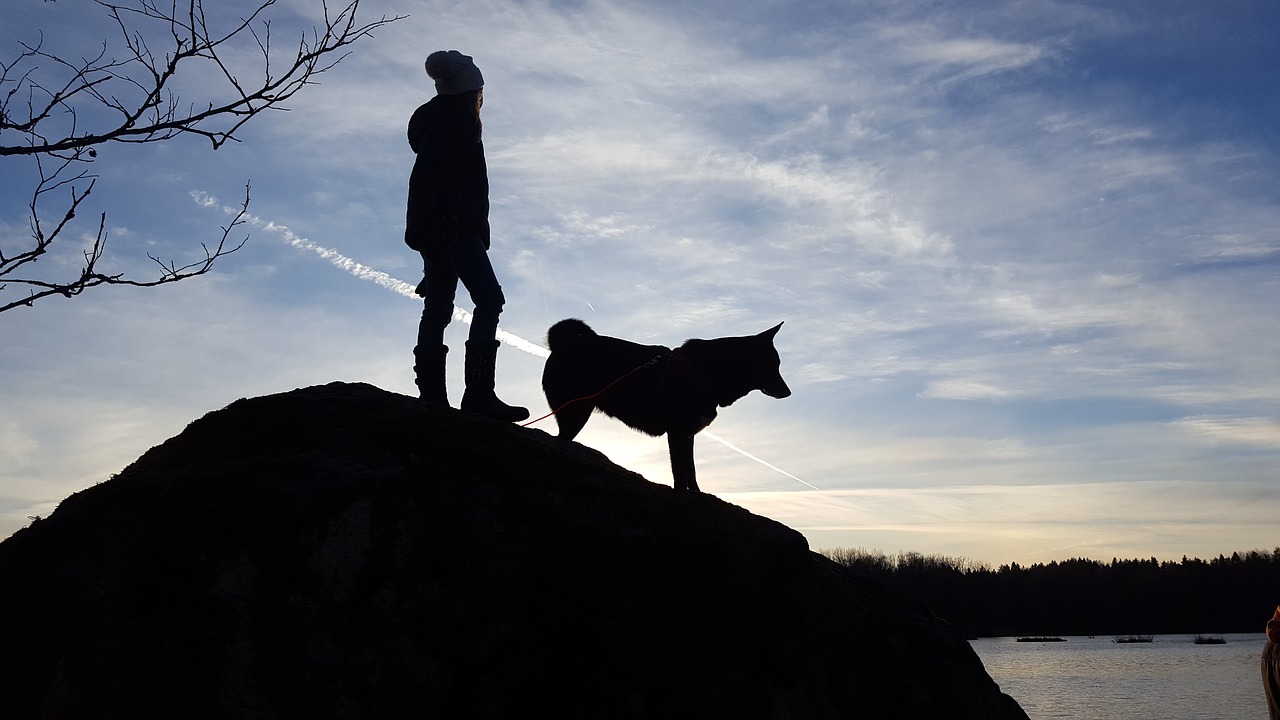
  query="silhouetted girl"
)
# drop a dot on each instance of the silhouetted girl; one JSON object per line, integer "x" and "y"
{"x": 1271, "y": 666}
{"x": 448, "y": 224}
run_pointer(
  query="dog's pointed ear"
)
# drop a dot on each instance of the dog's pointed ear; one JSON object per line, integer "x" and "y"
{"x": 772, "y": 331}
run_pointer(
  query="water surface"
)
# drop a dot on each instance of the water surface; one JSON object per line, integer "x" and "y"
{"x": 1097, "y": 679}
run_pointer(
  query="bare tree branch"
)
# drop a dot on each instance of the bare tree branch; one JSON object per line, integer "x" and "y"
{"x": 57, "y": 111}
{"x": 89, "y": 276}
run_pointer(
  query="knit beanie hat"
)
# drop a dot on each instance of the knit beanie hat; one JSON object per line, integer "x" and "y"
{"x": 453, "y": 72}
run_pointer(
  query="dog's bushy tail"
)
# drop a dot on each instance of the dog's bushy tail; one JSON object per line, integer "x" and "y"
{"x": 565, "y": 331}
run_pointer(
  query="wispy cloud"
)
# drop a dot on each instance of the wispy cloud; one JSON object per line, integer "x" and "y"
{"x": 359, "y": 270}
{"x": 960, "y": 58}
{"x": 1259, "y": 432}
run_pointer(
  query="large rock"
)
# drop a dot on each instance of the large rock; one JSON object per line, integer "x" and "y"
{"x": 343, "y": 552}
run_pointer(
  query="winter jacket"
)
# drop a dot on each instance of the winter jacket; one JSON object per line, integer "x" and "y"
{"x": 449, "y": 186}
{"x": 1271, "y": 650}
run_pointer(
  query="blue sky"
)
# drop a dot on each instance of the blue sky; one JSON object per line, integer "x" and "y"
{"x": 1027, "y": 255}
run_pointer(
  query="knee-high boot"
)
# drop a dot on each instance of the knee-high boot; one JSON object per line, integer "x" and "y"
{"x": 428, "y": 373}
{"x": 479, "y": 398}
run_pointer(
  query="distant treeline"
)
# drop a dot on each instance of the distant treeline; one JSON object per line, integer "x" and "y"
{"x": 1084, "y": 597}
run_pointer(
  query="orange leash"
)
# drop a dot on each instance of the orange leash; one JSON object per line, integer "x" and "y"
{"x": 596, "y": 394}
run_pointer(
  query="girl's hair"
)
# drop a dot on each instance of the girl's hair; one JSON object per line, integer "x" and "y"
{"x": 473, "y": 100}
{"x": 463, "y": 105}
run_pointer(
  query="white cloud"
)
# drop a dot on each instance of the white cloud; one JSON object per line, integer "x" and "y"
{"x": 963, "y": 389}
{"x": 1260, "y": 432}
{"x": 960, "y": 58}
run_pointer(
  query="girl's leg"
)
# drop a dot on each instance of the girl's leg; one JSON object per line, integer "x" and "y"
{"x": 473, "y": 268}
{"x": 438, "y": 287}
{"x": 471, "y": 262}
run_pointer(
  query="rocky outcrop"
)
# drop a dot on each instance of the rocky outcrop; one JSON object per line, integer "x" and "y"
{"x": 344, "y": 552}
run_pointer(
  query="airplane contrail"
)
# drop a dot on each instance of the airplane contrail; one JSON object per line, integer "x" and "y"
{"x": 749, "y": 456}
{"x": 364, "y": 272}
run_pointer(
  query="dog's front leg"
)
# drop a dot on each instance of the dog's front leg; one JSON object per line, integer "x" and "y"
{"x": 682, "y": 472}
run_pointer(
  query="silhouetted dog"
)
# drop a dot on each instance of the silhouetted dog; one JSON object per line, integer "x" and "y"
{"x": 655, "y": 389}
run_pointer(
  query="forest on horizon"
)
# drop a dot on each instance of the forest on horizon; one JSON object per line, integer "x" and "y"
{"x": 1226, "y": 594}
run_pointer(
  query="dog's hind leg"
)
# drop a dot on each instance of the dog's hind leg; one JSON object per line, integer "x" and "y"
{"x": 682, "y": 471}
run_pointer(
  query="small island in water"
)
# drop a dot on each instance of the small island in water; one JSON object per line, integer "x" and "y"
{"x": 1134, "y": 638}
{"x": 1209, "y": 640}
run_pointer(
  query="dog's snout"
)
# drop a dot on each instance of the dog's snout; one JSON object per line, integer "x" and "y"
{"x": 778, "y": 390}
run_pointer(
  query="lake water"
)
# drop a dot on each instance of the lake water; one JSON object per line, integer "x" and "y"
{"x": 1097, "y": 679}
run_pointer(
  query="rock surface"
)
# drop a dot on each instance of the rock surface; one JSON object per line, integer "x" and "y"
{"x": 343, "y": 552}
